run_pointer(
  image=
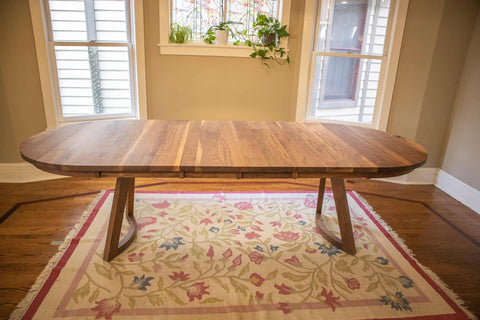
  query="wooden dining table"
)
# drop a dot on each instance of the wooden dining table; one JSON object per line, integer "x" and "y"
{"x": 127, "y": 149}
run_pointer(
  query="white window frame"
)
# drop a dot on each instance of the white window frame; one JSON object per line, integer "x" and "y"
{"x": 388, "y": 72}
{"x": 48, "y": 73}
{"x": 200, "y": 48}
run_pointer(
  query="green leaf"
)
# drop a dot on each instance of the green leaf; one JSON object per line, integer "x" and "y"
{"x": 155, "y": 300}
{"x": 239, "y": 287}
{"x": 103, "y": 271}
{"x": 372, "y": 286}
{"x": 295, "y": 277}
{"x": 244, "y": 270}
{"x": 177, "y": 300}
{"x": 81, "y": 292}
{"x": 131, "y": 302}
{"x": 160, "y": 283}
{"x": 94, "y": 295}
{"x": 272, "y": 275}
{"x": 196, "y": 266}
{"x": 221, "y": 284}
{"x": 340, "y": 284}
{"x": 210, "y": 300}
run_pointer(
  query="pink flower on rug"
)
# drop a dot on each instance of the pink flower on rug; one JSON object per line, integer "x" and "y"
{"x": 162, "y": 214}
{"x": 259, "y": 295}
{"x": 285, "y": 307}
{"x": 157, "y": 268}
{"x": 275, "y": 224}
{"x": 310, "y": 250}
{"x": 105, "y": 308}
{"x": 179, "y": 275}
{"x": 235, "y": 231}
{"x": 210, "y": 253}
{"x": 256, "y": 257}
{"x": 256, "y": 279}
{"x": 186, "y": 228}
{"x": 353, "y": 283}
{"x": 252, "y": 235}
{"x": 132, "y": 257}
{"x": 283, "y": 289}
{"x": 161, "y": 205}
{"x": 145, "y": 221}
{"x": 237, "y": 261}
{"x": 227, "y": 254}
{"x": 244, "y": 205}
{"x": 293, "y": 261}
{"x": 257, "y": 228}
{"x": 197, "y": 290}
{"x": 310, "y": 202}
{"x": 287, "y": 235}
{"x": 330, "y": 300}
{"x": 206, "y": 221}
{"x": 297, "y": 216}
{"x": 184, "y": 257}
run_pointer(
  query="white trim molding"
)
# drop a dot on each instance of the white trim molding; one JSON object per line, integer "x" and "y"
{"x": 459, "y": 190}
{"x": 24, "y": 172}
{"x": 456, "y": 188}
{"x": 417, "y": 176}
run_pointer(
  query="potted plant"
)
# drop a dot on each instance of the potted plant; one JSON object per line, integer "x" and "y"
{"x": 219, "y": 33}
{"x": 180, "y": 34}
{"x": 269, "y": 32}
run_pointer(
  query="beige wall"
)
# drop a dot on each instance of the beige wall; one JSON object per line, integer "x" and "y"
{"x": 462, "y": 148}
{"x": 433, "y": 53}
{"x": 21, "y": 104}
{"x": 194, "y": 87}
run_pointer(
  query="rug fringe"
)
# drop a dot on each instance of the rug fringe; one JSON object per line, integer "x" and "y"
{"x": 22, "y": 307}
{"x": 459, "y": 301}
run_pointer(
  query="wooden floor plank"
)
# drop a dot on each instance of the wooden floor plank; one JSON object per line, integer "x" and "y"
{"x": 443, "y": 234}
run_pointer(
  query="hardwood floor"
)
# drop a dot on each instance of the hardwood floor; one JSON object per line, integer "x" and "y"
{"x": 443, "y": 234}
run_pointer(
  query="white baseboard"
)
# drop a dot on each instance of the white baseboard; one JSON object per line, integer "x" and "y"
{"x": 23, "y": 172}
{"x": 459, "y": 190}
{"x": 417, "y": 176}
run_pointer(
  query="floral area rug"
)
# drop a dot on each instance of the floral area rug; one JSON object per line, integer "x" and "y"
{"x": 236, "y": 256}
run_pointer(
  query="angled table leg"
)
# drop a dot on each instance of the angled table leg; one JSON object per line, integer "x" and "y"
{"x": 123, "y": 201}
{"x": 347, "y": 242}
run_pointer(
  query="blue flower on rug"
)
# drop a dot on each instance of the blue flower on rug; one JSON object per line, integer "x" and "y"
{"x": 258, "y": 248}
{"x": 177, "y": 241}
{"x": 406, "y": 281}
{"x": 142, "y": 282}
{"x": 214, "y": 229}
{"x": 302, "y": 223}
{"x": 274, "y": 248}
{"x": 241, "y": 228}
{"x": 331, "y": 250}
{"x": 397, "y": 301}
{"x": 228, "y": 221}
{"x": 382, "y": 261}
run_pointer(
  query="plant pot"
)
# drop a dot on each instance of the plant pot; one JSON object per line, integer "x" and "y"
{"x": 268, "y": 39}
{"x": 221, "y": 37}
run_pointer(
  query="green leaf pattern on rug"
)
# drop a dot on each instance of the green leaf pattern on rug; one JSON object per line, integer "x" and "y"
{"x": 202, "y": 251}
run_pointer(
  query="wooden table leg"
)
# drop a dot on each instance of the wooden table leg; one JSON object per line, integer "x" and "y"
{"x": 123, "y": 201}
{"x": 347, "y": 242}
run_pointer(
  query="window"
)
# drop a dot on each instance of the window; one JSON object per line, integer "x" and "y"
{"x": 353, "y": 60}
{"x": 201, "y": 14}
{"x": 91, "y": 55}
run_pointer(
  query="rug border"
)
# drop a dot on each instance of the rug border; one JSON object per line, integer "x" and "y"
{"x": 449, "y": 293}
{"x": 27, "y": 301}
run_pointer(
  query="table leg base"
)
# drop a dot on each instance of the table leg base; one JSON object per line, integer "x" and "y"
{"x": 347, "y": 242}
{"x": 123, "y": 201}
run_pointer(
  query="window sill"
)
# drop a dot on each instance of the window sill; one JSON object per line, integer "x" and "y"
{"x": 200, "y": 49}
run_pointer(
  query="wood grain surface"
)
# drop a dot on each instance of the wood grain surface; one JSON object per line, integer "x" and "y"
{"x": 241, "y": 149}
